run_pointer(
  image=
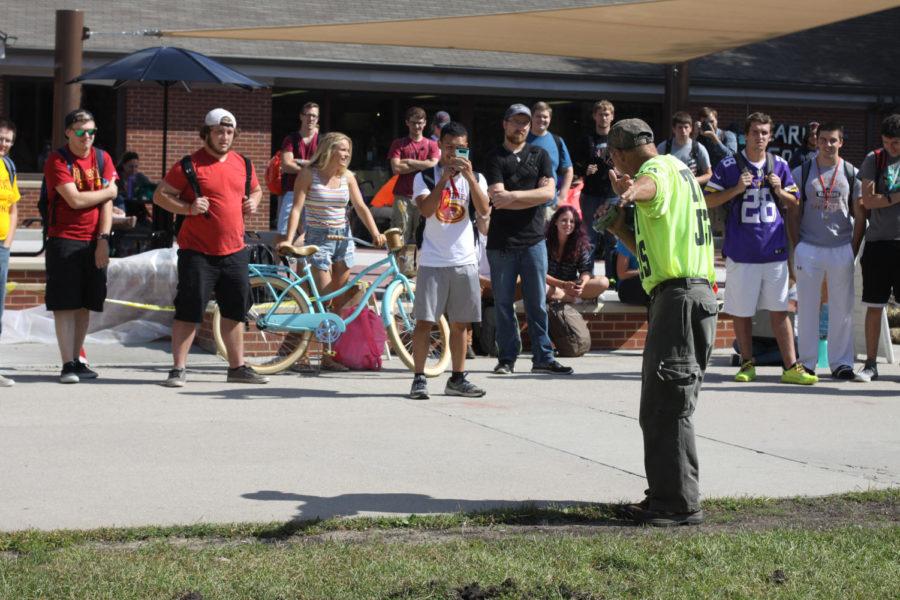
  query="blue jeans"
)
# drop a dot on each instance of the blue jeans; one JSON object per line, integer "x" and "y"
{"x": 531, "y": 265}
{"x": 4, "y": 271}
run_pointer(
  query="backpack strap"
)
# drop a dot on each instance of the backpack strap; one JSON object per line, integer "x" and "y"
{"x": 805, "y": 169}
{"x": 880, "y": 164}
{"x": 695, "y": 152}
{"x": 10, "y": 169}
{"x": 248, "y": 166}
{"x": 188, "y": 167}
{"x": 668, "y": 147}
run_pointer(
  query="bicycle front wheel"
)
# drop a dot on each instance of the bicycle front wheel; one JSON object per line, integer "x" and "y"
{"x": 268, "y": 351}
{"x": 401, "y": 325}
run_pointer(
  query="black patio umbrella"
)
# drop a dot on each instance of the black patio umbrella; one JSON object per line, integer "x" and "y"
{"x": 166, "y": 66}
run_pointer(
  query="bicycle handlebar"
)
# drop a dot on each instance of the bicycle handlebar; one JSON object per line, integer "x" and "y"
{"x": 339, "y": 238}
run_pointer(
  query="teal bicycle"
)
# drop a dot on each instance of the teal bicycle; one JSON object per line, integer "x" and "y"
{"x": 284, "y": 316}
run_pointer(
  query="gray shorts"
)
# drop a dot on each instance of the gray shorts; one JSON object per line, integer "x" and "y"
{"x": 451, "y": 290}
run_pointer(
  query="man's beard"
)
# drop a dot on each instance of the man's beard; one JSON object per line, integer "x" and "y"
{"x": 213, "y": 150}
{"x": 516, "y": 138}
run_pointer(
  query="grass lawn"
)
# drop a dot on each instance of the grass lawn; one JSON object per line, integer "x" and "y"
{"x": 844, "y": 546}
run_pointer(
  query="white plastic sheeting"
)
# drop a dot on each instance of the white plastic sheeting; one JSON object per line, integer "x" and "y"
{"x": 148, "y": 278}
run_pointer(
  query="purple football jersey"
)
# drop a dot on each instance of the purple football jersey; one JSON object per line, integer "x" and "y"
{"x": 754, "y": 228}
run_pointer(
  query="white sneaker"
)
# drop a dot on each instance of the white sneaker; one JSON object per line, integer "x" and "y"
{"x": 6, "y": 381}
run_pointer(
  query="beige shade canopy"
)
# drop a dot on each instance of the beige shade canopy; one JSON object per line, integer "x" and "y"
{"x": 651, "y": 31}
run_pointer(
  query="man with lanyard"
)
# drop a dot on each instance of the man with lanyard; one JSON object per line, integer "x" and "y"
{"x": 826, "y": 229}
{"x": 592, "y": 164}
{"x": 212, "y": 256}
{"x": 79, "y": 202}
{"x": 673, "y": 243}
{"x": 520, "y": 182}
{"x": 686, "y": 149}
{"x": 447, "y": 281}
{"x": 880, "y": 176}
{"x": 409, "y": 155}
{"x": 9, "y": 213}
{"x": 756, "y": 184}
{"x": 555, "y": 146}
{"x": 297, "y": 149}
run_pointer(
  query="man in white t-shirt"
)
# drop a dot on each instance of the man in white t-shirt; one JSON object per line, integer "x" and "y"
{"x": 447, "y": 280}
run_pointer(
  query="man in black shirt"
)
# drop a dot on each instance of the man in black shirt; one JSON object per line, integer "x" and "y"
{"x": 592, "y": 164}
{"x": 520, "y": 181}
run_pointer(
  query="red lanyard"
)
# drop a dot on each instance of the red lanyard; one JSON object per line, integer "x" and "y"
{"x": 454, "y": 191}
{"x": 827, "y": 190}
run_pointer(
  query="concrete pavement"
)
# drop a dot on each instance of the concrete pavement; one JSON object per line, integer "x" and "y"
{"x": 123, "y": 451}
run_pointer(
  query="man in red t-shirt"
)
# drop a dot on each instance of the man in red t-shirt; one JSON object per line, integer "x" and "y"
{"x": 79, "y": 206}
{"x": 212, "y": 256}
{"x": 408, "y": 156}
{"x": 297, "y": 149}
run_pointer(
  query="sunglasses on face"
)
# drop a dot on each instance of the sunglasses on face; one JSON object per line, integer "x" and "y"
{"x": 82, "y": 132}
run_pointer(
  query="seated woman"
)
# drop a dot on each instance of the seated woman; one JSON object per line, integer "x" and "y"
{"x": 628, "y": 278}
{"x": 569, "y": 265}
{"x": 325, "y": 189}
{"x": 130, "y": 205}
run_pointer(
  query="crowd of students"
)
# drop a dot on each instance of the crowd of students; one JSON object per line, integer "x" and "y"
{"x": 509, "y": 229}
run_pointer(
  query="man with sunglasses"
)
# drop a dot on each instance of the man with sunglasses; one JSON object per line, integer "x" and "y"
{"x": 80, "y": 189}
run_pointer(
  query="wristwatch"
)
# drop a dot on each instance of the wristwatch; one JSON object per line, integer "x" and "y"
{"x": 103, "y": 236}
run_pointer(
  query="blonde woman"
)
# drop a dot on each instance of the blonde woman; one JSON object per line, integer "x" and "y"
{"x": 324, "y": 190}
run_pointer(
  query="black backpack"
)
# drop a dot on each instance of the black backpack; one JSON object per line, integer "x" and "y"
{"x": 45, "y": 209}
{"x": 695, "y": 152}
{"x": 430, "y": 179}
{"x": 188, "y": 167}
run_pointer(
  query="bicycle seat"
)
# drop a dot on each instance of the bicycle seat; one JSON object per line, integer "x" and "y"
{"x": 297, "y": 250}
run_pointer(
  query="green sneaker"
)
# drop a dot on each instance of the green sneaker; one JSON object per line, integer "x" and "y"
{"x": 747, "y": 372}
{"x": 797, "y": 374}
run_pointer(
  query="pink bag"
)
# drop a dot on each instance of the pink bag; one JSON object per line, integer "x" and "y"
{"x": 361, "y": 346}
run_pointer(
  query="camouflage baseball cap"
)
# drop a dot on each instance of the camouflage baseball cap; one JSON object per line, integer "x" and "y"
{"x": 629, "y": 133}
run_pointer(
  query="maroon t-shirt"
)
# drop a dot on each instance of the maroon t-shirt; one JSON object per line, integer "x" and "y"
{"x": 222, "y": 182}
{"x": 303, "y": 151}
{"x": 65, "y": 221}
{"x": 424, "y": 149}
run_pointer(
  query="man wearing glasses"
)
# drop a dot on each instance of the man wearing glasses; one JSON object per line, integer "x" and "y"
{"x": 296, "y": 151}
{"x": 80, "y": 189}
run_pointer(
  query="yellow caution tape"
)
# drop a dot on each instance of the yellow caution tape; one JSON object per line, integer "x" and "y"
{"x": 142, "y": 306}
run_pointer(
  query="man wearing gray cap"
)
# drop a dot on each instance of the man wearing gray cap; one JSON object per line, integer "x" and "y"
{"x": 520, "y": 182}
{"x": 673, "y": 244}
{"x": 212, "y": 189}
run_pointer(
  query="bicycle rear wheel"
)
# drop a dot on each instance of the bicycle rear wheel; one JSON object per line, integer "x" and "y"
{"x": 268, "y": 351}
{"x": 400, "y": 331}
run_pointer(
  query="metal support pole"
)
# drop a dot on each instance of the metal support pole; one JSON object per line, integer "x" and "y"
{"x": 677, "y": 86}
{"x": 66, "y": 66}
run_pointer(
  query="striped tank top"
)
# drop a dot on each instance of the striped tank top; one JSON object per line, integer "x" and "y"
{"x": 324, "y": 206}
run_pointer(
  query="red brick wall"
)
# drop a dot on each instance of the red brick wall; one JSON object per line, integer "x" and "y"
{"x": 22, "y": 298}
{"x": 144, "y": 118}
{"x": 628, "y": 330}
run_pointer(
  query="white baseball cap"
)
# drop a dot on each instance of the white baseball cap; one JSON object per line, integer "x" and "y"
{"x": 220, "y": 116}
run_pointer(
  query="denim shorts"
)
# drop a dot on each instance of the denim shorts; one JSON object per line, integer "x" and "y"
{"x": 330, "y": 251}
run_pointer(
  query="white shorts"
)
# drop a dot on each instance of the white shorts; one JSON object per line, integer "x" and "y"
{"x": 750, "y": 287}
